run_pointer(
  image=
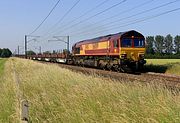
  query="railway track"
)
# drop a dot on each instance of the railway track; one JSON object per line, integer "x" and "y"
{"x": 171, "y": 81}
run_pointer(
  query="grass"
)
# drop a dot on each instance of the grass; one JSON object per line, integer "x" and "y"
{"x": 2, "y": 62}
{"x": 162, "y": 61}
{"x": 7, "y": 93}
{"x": 60, "y": 95}
{"x": 168, "y": 66}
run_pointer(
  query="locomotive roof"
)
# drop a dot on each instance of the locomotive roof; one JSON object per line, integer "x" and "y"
{"x": 107, "y": 37}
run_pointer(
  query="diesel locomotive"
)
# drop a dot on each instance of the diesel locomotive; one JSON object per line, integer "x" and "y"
{"x": 123, "y": 51}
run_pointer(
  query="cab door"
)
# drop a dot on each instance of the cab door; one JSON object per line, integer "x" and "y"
{"x": 114, "y": 47}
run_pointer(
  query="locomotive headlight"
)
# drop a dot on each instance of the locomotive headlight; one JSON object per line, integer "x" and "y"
{"x": 132, "y": 54}
{"x": 141, "y": 56}
{"x": 123, "y": 55}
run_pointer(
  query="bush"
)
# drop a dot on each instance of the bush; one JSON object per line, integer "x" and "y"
{"x": 5, "y": 52}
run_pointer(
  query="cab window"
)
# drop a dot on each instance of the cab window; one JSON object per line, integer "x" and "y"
{"x": 138, "y": 42}
{"x": 115, "y": 43}
{"x": 126, "y": 42}
{"x": 77, "y": 50}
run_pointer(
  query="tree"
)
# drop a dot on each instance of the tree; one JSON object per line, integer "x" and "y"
{"x": 159, "y": 44}
{"x": 177, "y": 44}
{"x": 54, "y": 52}
{"x": 0, "y": 52}
{"x": 31, "y": 52}
{"x": 168, "y": 44}
{"x": 47, "y": 52}
{"x": 149, "y": 44}
{"x": 65, "y": 51}
{"x": 4, "y": 53}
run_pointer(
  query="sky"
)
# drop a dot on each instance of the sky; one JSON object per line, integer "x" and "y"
{"x": 82, "y": 19}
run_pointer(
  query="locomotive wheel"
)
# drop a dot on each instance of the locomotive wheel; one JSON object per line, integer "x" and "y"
{"x": 102, "y": 66}
{"x": 109, "y": 67}
{"x": 116, "y": 68}
{"x": 125, "y": 69}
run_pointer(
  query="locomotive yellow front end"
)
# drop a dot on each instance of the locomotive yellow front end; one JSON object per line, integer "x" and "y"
{"x": 132, "y": 51}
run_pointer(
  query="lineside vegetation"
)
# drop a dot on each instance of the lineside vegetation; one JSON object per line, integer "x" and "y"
{"x": 60, "y": 95}
{"x": 2, "y": 62}
{"x": 7, "y": 93}
{"x": 168, "y": 66}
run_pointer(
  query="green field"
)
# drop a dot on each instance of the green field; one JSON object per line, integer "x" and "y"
{"x": 60, "y": 95}
{"x": 168, "y": 66}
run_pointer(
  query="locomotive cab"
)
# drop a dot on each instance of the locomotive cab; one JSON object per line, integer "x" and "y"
{"x": 132, "y": 49}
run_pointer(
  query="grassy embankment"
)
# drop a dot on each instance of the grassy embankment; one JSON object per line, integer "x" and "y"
{"x": 169, "y": 66}
{"x": 60, "y": 95}
{"x": 7, "y": 93}
{"x": 2, "y": 62}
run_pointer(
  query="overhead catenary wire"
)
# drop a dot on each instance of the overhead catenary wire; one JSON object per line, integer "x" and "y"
{"x": 88, "y": 11}
{"x": 68, "y": 12}
{"x": 136, "y": 21}
{"x": 128, "y": 17}
{"x": 45, "y": 18}
{"x": 125, "y": 11}
{"x": 99, "y": 12}
{"x": 118, "y": 4}
{"x": 105, "y": 10}
{"x": 62, "y": 18}
{"x": 121, "y": 12}
{"x": 150, "y": 17}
